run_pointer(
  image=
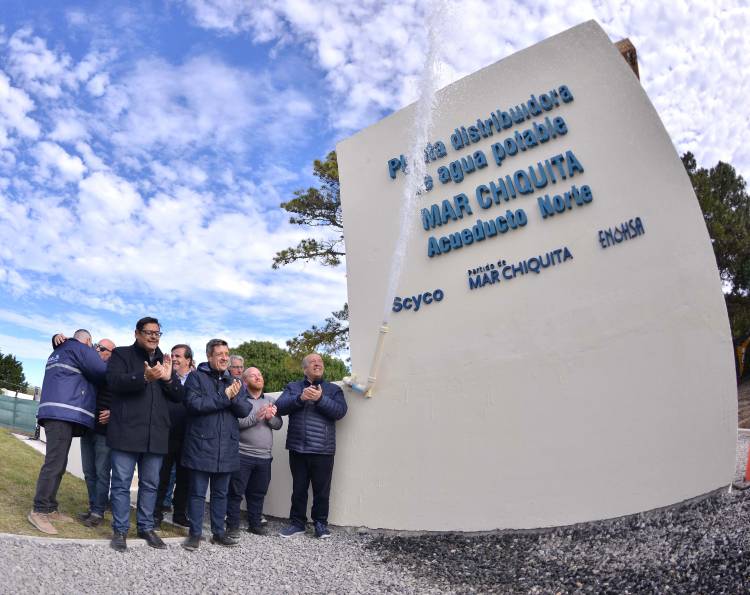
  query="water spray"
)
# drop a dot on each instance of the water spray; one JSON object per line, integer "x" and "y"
{"x": 414, "y": 185}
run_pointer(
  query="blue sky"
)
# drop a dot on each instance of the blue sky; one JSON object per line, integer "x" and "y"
{"x": 145, "y": 146}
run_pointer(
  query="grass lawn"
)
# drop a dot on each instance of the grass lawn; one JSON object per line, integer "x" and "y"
{"x": 19, "y": 469}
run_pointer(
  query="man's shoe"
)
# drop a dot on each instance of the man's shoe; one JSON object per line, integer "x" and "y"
{"x": 94, "y": 520}
{"x": 234, "y": 532}
{"x": 321, "y": 530}
{"x": 192, "y": 542}
{"x": 60, "y": 517}
{"x": 291, "y": 531}
{"x": 118, "y": 542}
{"x": 224, "y": 540}
{"x": 40, "y": 520}
{"x": 83, "y": 516}
{"x": 152, "y": 539}
{"x": 259, "y": 530}
{"x": 182, "y": 521}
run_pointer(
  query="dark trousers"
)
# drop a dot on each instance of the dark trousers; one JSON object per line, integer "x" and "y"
{"x": 59, "y": 435}
{"x": 310, "y": 469}
{"x": 199, "y": 481}
{"x": 181, "y": 488}
{"x": 250, "y": 481}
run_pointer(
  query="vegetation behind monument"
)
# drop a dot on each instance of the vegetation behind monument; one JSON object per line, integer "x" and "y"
{"x": 279, "y": 366}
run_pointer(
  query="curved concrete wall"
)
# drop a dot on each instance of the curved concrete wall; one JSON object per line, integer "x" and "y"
{"x": 602, "y": 386}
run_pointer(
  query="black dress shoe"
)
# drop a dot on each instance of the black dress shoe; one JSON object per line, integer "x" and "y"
{"x": 94, "y": 520}
{"x": 224, "y": 540}
{"x": 152, "y": 539}
{"x": 259, "y": 530}
{"x": 192, "y": 543}
{"x": 83, "y": 516}
{"x": 233, "y": 533}
{"x": 182, "y": 521}
{"x": 118, "y": 542}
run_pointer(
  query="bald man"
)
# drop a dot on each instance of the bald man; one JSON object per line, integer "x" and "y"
{"x": 95, "y": 456}
{"x": 251, "y": 480}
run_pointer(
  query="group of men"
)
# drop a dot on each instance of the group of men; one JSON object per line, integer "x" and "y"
{"x": 135, "y": 406}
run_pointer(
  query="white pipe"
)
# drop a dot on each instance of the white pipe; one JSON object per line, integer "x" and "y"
{"x": 366, "y": 389}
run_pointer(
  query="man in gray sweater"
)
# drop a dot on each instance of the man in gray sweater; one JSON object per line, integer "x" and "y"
{"x": 256, "y": 441}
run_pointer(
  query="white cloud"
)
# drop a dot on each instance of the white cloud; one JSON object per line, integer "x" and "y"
{"x": 15, "y": 106}
{"x": 202, "y": 103}
{"x": 97, "y": 85}
{"x": 68, "y": 127}
{"x": 694, "y": 56}
{"x": 107, "y": 198}
{"x": 53, "y": 159}
{"x": 37, "y": 68}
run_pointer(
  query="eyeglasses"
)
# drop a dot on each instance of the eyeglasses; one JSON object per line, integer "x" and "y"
{"x": 99, "y": 347}
{"x": 236, "y": 367}
{"x": 151, "y": 333}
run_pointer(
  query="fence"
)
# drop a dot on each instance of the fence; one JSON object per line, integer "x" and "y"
{"x": 18, "y": 414}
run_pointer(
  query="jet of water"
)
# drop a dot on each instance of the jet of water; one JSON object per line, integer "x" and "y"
{"x": 436, "y": 18}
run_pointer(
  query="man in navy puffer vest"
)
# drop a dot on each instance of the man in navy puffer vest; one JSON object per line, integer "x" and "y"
{"x": 67, "y": 409}
{"x": 313, "y": 407}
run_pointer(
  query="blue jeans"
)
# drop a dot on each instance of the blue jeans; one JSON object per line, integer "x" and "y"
{"x": 96, "y": 463}
{"x": 252, "y": 482}
{"x": 199, "y": 481}
{"x": 123, "y": 467}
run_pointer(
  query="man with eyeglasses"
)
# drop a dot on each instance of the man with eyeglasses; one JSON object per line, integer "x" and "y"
{"x": 182, "y": 364}
{"x": 142, "y": 382}
{"x": 236, "y": 366}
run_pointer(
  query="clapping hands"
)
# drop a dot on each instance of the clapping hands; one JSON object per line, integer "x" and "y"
{"x": 312, "y": 393}
{"x": 159, "y": 371}
{"x": 233, "y": 389}
{"x": 265, "y": 413}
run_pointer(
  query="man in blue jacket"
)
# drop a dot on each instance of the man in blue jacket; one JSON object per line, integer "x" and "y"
{"x": 214, "y": 400}
{"x": 313, "y": 407}
{"x": 66, "y": 409}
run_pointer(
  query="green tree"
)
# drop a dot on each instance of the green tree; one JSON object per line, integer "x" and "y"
{"x": 725, "y": 203}
{"x": 279, "y": 366}
{"x": 319, "y": 208}
{"x": 11, "y": 374}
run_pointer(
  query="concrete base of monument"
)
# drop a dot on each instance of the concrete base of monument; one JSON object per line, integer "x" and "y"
{"x": 370, "y": 490}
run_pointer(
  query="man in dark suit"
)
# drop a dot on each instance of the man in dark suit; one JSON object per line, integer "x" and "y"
{"x": 141, "y": 380}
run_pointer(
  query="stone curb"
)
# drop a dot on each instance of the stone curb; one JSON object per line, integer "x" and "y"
{"x": 132, "y": 542}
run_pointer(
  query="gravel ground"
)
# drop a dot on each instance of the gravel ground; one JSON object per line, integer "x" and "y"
{"x": 703, "y": 547}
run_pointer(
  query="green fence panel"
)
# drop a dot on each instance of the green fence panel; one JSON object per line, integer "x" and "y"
{"x": 18, "y": 414}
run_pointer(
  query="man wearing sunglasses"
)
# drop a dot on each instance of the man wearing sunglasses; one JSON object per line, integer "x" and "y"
{"x": 142, "y": 381}
{"x": 95, "y": 455}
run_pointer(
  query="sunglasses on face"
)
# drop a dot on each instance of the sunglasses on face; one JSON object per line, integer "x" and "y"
{"x": 99, "y": 347}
